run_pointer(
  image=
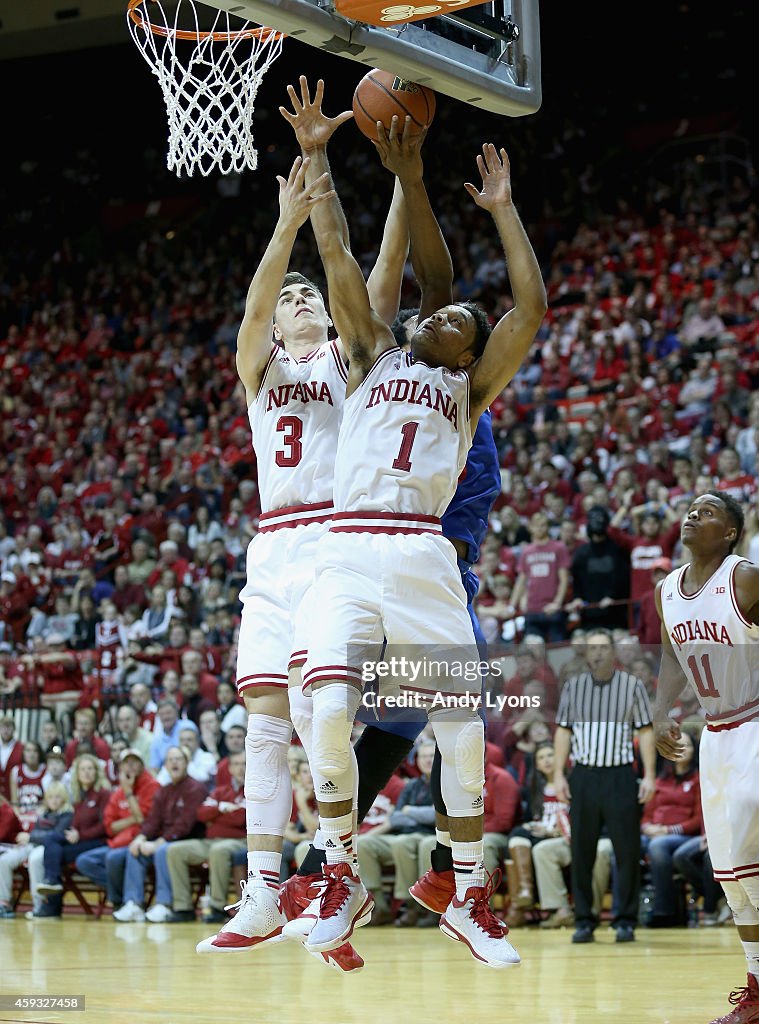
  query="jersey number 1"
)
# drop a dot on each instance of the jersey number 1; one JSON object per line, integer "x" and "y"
{"x": 710, "y": 690}
{"x": 403, "y": 460}
{"x": 292, "y": 428}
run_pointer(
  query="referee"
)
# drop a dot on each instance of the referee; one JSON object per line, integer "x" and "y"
{"x": 598, "y": 712}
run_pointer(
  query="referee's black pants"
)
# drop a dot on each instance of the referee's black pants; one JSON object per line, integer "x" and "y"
{"x": 605, "y": 796}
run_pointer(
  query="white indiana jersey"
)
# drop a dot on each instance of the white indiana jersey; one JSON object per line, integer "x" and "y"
{"x": 294, "y": 420}
{"x": 404, "y": 438}
{"x": 717, "y": 648}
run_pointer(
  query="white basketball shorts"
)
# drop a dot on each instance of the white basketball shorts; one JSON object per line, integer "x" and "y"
{"x": 372, "y": 587}
{"x": 729, "y": 773}
{"x": 280, "y": 570}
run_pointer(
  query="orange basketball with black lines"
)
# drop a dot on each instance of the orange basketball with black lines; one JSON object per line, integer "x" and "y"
{"x": 379, "y": 95}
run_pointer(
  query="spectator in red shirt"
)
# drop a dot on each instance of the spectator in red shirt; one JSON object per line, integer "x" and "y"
{"x": 11, "y": 753}
{"x": 172, "y": 816}
{"x": 234, "y": 741}
{"x": 85, "y": 726}
{"x": 59, "y": 676}
{"x": 124, "y": 814}
{"x": 191, "y": 663}
{"x": 223, "y": 813}
{"x": 169, "y": 558}
{"x": 542, "y": 583}
{"x": 649, "y": 623}
{"x": 532, "y": 666}
{"x": 657, "y": 532}
{"x": 125, "y": 592}
{"x": 89, "y": 794}
{"x": 670, "y": 818}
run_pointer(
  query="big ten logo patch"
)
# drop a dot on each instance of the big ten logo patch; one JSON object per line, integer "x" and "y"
{"x": 718, "y": 590}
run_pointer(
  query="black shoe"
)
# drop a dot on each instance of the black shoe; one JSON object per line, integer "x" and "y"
{"x": 181, "y": 917}
{"x": 214, "y": 916}
{"x": 625, "y": 933}
{"x": 583, "y": 933}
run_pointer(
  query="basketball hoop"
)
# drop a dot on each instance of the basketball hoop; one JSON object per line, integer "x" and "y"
{"x": 210, "y": 92}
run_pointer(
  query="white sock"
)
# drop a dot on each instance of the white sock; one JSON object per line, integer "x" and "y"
{"x": 338, "y": 838}
{"x": 263, "y": 869}
{"x": 444, "y": 838}
{"x": 468, "y": 866}
{"x": 751, "y": 949}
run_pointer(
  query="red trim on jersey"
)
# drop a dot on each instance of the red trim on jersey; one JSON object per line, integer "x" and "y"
{"x": 397, "y": 522}
{"x": 295, "y": 515}
{"x": 732, "y": 725}
{"x": 342, "y": 367}
{"x": 388, "y": 352}
{"x": 329, "y": 677}
{"x": 744, "y": 867}
{"x": 297, "y": 659}
{"x": 736, "y": 711}
{"x": 689, "y": 597}
{"x": 734, "y": 598}
{"x": 338, "y": 668}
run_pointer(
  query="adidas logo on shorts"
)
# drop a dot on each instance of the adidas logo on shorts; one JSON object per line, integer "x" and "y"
{"x": 330, "y": 845}
{"x": 328, "y": 787}
{"x": 478, "y": 802}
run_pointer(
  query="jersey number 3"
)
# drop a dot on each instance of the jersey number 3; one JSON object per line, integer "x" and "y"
{"x": 403, "y": 460}
{"x": 708, "y": 690}
{"x": 292, "y": 428}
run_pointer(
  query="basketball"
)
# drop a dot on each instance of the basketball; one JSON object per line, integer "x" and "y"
{"x": 379, "y": 95}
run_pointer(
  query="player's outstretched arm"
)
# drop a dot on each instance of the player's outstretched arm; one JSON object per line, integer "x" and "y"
{"x": 512, "y": 336}
{"x": 313, "y": 130}
{"x": 386, "y": 279}
{"x": 296, "y": 201}
{"x": 672, "y": 681}
{"x": 400, "y": 153}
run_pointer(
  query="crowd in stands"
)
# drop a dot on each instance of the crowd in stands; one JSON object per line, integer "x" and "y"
{"x": 128, "y": 497}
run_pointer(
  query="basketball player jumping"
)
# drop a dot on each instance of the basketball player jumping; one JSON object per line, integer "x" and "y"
{"x": 407, "y": 427}
{"x": 709, "y": 611}
{"x": 387, "y": 740}
{"x": 295, "y": 388}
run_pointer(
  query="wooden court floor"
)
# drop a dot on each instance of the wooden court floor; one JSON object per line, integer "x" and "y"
{"x": 141, "y": 972}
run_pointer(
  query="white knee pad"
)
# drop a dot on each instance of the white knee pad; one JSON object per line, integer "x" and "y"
{"x": 744, "y": 912}
{"x": 268, "y": 789}
{"x": 332, "y": 758}
{"x": 462, "y": 749}
{"x": 302, "y": 715}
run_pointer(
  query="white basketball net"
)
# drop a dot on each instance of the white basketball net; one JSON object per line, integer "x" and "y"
{"x": 210, "y": 92}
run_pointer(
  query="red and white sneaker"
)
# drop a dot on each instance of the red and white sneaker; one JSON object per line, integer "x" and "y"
{"x": 258, "y": 920}
{"x": 299, "y": 902}
{"x": 434, "y": 890}
{"x": 299, "y": 899}
{"x": 472, "y": 922}
{"x": 344, "y": 958}
{"x": 746, "y": 1003}
{"x": 344, "y": 905}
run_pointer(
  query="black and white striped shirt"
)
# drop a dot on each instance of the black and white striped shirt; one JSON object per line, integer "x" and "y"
{"x": 602, "y": 717}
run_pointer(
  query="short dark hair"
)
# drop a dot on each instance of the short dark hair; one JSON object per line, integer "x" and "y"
{"x": 398, "y": 326}
{"x": 295, "y": 278}
{"x": 734, "y": 512}
{"x": 482, "y": 327}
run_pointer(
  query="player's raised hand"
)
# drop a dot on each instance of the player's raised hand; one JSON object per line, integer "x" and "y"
{"x": 668, "y": 739}
{"x": 496, "y": 179}
{"x": 312, "y": 127}
{"x": 400, "y": 149}
{"x": 296, "y": 200}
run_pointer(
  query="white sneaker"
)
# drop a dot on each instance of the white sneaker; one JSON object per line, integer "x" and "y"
{"x": 158, "y": 914}
{"x": 472, "y": 922}
{"x": 344, "y": 905}
{"x": 129, "y": 912}
{"x": 258, "y": 920}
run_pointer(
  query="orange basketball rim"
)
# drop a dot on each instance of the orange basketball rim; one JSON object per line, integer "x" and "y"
{"x": 194, "y": 35}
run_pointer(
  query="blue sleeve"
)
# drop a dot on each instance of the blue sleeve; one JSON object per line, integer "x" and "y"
{"x": 466, "y": 518}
